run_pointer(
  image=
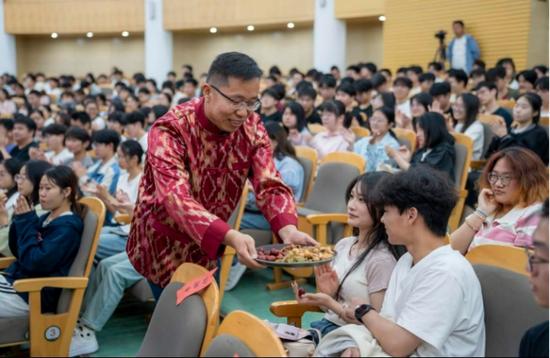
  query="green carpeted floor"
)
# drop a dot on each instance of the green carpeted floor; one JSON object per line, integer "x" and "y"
{"x": 123, "y": 334}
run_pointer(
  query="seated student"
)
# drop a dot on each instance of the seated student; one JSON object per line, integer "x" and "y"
{"x": 363, "y": 94}
{"x": 113, "y": 238}
{"x": 38, "y": 119}
{"x": 386, "y": 99}
{"x": 466, "y": 110}
{"x": 441, "y": 94}
{"x": 9, "y": 169}
{"x": 336, "y": 138}
{"x": 487, "y": 94}
{"x": 541, "y": 71}
{"x": 106, "y": 170}
{"x": 420, "y": 104}
{"x": 134, "y": 127}
{"x": 115, "y": 122}
{"x": 437, "y": 70}
{"x": 59, "y": 231}
{"x": 327, "y": 89}
{"x": 379, "y": 83}
{"x": 367, "y": 70}
{"x": 435, "y": 146}
{"x": 24, "y": 130}
{"x": 77, "y": 141}
{"x": 458, "y": 79}
{"x": 151, "y": 86}
{"x": 426, "y": 81}
{"x": 513, "y": 186}
{"x": 47, "y": 113}
{"x": 294, "y": 122}
{"x": 67, "y": 100}
{"x": 541, "y": 87}
{"x": 401, "y": 88}
{"x": 353, "y": 72}
{"x": 510, "y": 72}
{"x": 528, "y": 133}
{"x": 345, "y": 93}
{"x": 386, "y": 72}
{"x": 365, "y": 266}
{"x": 373, "y": 148}
{"x": 164, "y": 99}
{"x": 54, "y": 136}
{"x": 269, "y": 111}
{"x": 526, "y": 80}
{"x": 132, "y": 103}
{"x": 535, "y": 340}
{"x": 179, "y": 85}
{"x": 6, "y": 134}
{"x": 156, "y": 112}
{"x": 306, "y": 98}
{"x": 92, "y": 110}
{"x": 417, "y": 207}
{"x": 144, "y": 97}
{"x": 63, "y": 118}
{"x": 81, "y": 119}
{"x": 190, "y": 88}
{"x": 413, "y": 74}
{"x": 7, "y": 106}
{"x": 497, "y": 76}
{"x": 478, "y": 76}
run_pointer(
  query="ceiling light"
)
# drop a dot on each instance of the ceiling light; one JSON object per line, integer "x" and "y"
{"x": 90, "y": 34}
{"x": 382, "y": 18}
{"x": 290, "y": 25}
{"x": 54, "y": 35}
{"x": 213, "y": 30}
{"x": 250, "y": 28}
{"x": 125, "y": 34}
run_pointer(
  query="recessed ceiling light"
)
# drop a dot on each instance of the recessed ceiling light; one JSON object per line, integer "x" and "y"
{"x": 90, "y": 34}
{"x": 382, "y": 18}
{"x": 213, "y": 30}
{"x": 290, "y": 25}
{"x": 54, "y": 35}
{"x": 125, "y": 34}
{"x": 250, "y": 28}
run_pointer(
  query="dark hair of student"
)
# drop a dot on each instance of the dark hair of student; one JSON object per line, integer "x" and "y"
{"x": 431, "y": 192}
{"x": 327, "y": 81}
{"x": 7, "y": 124}
{"x": 118, "y": 107}
{"x": 388, "y": 99}
{"x": 232, "y": 64}
{"x": 536, "y": 104}
{"x": 478, "y": 72}
{"x": 403, "y": 81}
{"x": 284, "y": 147}
{"x": 362, "y": 86}
{"x": 275, "y": 71}
{"x": 458, "y": 22}
{"x": 192, "y": 81}
{"x": 167, "y": 95}
{"x": 541, "y": 68}
{"x": 37, "y": 112}
{"x": 489, "y": 85}
{"x": 271, "y": 93}
{"x": 435, "y": 130}
{"x": 132, "y": 148}
{"x": 27, "y": 122}
{"x": 506, "y": 60}
{"x": 134, "y": 117}
{"x": 426, "y": 77}
{"x": 439, "y": 89}
{"x": 144, "y": 90}
{"x": 459, "y": 75}
{"x": 480, "y": 63}
{"x": 64, "y": 177}
{"x": 116, "y": 116}
{"x": 495, "y": 74}
{"x": 34, "y": 170}
{"x": 386, "y": 70}
{"x": 377, "y": 235}
{"x": 159, "y": 110}
{"x": 107, "y": 136}
{"x": 347, "y": 81}
{"x": 348, "y": 89}
{"x": 54, "y": 129}
{"x": 389, "y": 113}
{"x": 307, "y": 91}
{"x": 529, "y": 76}
{"x": 81, "y": 116}
{"x": 13, "y": 167}
{"x": 436, "y": 65}
{"x": 542, "y": 83}
{"x": 424, "y": 99}
{"x": 416, "y": 69}
{"x": 471, "y": 108}
{"x": 337, "y": 108}
{"x": 78, "y": 133}
{"x": 65, "y": 118}
{"x": 353, "y": 68}
{"x": 297, "y": 110}
{"x": 402, "y": 70}
{"x": 377, "y": 80}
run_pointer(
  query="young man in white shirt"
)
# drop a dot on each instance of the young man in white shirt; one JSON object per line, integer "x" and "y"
{"x": 57, "y": 154}
{"x": 401, "y": 89}
{"x": 434, "y": 294}
{"x": 91, "y": 108}
{"x": 134, "y": 126}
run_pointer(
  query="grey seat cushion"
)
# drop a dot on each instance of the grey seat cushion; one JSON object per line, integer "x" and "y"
{"x": 142, "y": 291}
{"x": 175, "y": 331}
{"x": 308, "y": 172}
{"x": 405, "y": 142}
{"x": 510, "y": 309}
{"x": 460, "y": 159}
{"x": 261, "y": 237}
{"x": 14, "y": 330}
{"x": 228, "y": 346}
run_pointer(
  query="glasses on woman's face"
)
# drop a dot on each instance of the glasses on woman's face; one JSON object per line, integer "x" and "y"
{"x": 250, "y": 106}
{"x": 505, "y": 180}
{"x": 532, "y": 260}
{"x": 20, "y": 178}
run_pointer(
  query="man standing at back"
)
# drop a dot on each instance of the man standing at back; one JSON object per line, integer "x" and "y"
{"x": 463, "y": 49}
{"x": 200, "y": 155}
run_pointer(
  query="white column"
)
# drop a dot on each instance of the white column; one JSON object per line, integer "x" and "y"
{"x": 158, "y": 42}
{"x": 329, "y": 38}
{"x": 8, "y": 63}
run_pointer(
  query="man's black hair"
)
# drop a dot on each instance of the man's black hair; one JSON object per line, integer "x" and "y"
{"x": 403, "y": 81}
{"x": 107, "y": 136}
{"x": 460, "y": 22}
{"x": 189, "y": 67}
{"x": 349, "y": 89}
{"x": 134, "y": 117}
{"x": 328, "y": 81}
{"x": 335, "y": 68}
{"x": 378, "y": 80}
{"x": 480, "y": 63}
{"x": 496, "y": 73}
{"x": 402, "y": 70}
{"x": 26, "y": 121}
{"x": 81, "y": 116}
{"x": 353, "y": 68}
{"x": 145, "y": 91}
{"x": 7, "y": 123}
{"x": 78, "y": 133}
{"x": 116, "y": 116}
{"x": 171, "y": 73}
{"x": 439, "y": 89}
{"x": 542, "y": 83}
{"x": 307, "y": 91}
{"x": 192, "y": 81}
{"x": 431, "y": 192}
{"x": 428, "y": 76}
{"x": 486, "y": 84}
{"x": 459, "y": 75}
{"x": 54, "y": 129}
{"x": 478, "y": 72}
{"x": 274, "y": 70}
{"x": 232, "y": 64}
{"x": 416, "y": 69}
{"x": 386, "y": 70}
{"x": 436, "y": 65}
{"x": 362, "y": 86}
{"x": 529, "y": 76}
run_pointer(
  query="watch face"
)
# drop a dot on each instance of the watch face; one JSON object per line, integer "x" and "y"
{"x": 361, "y": 311}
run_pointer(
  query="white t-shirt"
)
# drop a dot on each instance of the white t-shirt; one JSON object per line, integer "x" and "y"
{"x": 60, "y": 158}
{"x": 439, "y": 300}
{"x": 405, "y": 108}
{"x": 459, "y": 54}
{"x": 99, "y": 123}
{"x": 143, "y": 141}
{"x": 477, "y": 133}
{"x": 131, "y": 188}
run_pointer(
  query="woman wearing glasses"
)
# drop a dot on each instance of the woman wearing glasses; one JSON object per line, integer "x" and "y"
{"x": 513, "y": 185}
{"x": 27, "y": 181}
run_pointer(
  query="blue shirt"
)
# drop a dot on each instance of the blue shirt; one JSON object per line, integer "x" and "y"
{"x": 472, "y": 52}
{"x": 375, "y": 154}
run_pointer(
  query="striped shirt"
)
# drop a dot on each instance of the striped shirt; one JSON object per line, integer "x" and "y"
{"x": 513, "y": 229}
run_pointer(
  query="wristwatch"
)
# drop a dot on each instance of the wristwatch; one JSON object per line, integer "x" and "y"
{"x": 362, "y": 310}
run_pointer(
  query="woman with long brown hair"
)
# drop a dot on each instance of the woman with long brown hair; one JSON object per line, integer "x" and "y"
{"x": 513, "y": 186}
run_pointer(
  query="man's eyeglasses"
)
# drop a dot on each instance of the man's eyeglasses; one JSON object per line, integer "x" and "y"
{"x": 250, "y": 106}
{"x": 504, "y": 179}
{"x": 532, "y": 260}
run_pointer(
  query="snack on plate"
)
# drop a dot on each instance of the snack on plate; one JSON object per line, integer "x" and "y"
{"x": 297, "y": 254}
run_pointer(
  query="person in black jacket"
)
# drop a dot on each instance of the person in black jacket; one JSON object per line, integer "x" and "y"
{"x": 44, "y": 246}
{"x": 528, "y": 133}
{"x": 435, "y": 148}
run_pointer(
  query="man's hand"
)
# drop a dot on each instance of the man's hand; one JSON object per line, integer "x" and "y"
{"x": 245, "y": 247}
{"x": 290, "y": 235}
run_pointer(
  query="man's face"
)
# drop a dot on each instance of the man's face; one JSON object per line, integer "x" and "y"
{"x": 485, "y": 96}
{"x": 365, "y": 73}
{"x": 425, "y": 86}
{"x": 226, "y": 115}
{"x": 75, "y": 146}
{"x": 132, "y": 129}
{"x": 34, "y": 100}
{"x": 456, "y": 87}
{"x": 296, "y": 78}
{"x": 189, "y": 90}
{"x": 433, "y": 70}
{"x": 544, "y": 95}
{"x": 335, "y": 73}
{"x": 443, "y": 100}
{"x": 413, "y": 76}
{"x": 344, "y": 97}
{"x": 476, "y": 80}
{"x": 143, "y": 98}
{"x": 268, "y": 102}
{"x": 92, "y": 111}
{"x": 54, "y": 142}
{"x": 458, "y": 30}
{"x": 306, "y": 102}
{"x": 539, "y": 271}
{"x": 401, "y": 92}
{"x": 396, "y": 225}
{"x": 21, "y": 133}
{"x": 327, "y": 93}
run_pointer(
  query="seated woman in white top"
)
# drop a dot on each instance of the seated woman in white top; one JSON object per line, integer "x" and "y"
{"x": 295, "y": 123}
{"x": 514, "y": 184}
{"x": 113, "y": 238}
{"x": 365, "y": 262}
{"x": 7, "y": 106}
{"x": 9, "y": 168}
{"x": 465, "y": 112}
{"x": 336, "y": 138}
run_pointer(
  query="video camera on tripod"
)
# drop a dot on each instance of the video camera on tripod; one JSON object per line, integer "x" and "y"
{"x": 440, "y": 53}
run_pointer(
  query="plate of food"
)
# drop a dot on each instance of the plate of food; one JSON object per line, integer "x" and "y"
{"x": 286, "y": 255}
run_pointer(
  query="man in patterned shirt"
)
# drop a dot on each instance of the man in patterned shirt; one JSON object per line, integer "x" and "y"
{"x": 200, "y": 155}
